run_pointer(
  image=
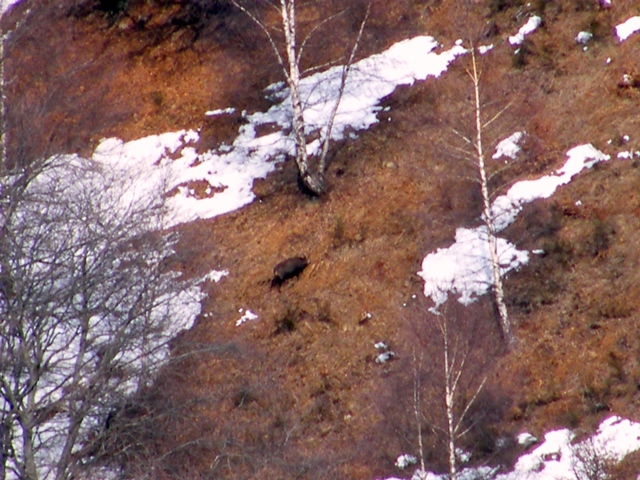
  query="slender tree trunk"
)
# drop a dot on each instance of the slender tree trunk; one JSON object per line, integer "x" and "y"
{"x": 416, "y": 409}
{"x": 454, "y": 367}
{"x": 29, "y": 454}
{"x": 343, "y": 81}
{"x": 28, "y": 416}
{"x": 498, "y": 288}
{"x": 312, "y": 182}
{"x": 3, "y": 106}
{"x": 449, "y": 393}
{"x": 311, "y": 174}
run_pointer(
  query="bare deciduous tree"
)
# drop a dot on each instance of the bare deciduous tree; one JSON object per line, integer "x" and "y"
{"x": 475, "y": 152}
{"x": 487, "y": 214}
{"x": 288, "y": 49}
{"x": 453, "y": 409}
{"x": 86, "y": 310}
{"x": 455, "y": 355}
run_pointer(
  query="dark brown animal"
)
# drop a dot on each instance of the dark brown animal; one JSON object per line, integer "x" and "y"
{"x": 289, "y": 268}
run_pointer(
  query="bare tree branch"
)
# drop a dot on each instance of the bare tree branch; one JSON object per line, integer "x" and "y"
{"x": 311, "y": 176}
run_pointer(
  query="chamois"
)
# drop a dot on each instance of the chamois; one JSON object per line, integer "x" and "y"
{"x": 289, "y": 268}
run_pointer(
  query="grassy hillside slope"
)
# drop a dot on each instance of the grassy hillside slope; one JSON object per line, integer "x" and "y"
{"x": 297, "y": 393}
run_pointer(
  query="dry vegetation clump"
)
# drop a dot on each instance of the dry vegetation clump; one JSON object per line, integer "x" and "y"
{"x": 580, "y": 357}
{"x": 297, "y": 392}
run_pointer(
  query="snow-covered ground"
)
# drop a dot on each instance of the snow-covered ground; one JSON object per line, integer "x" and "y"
{"x": 628, "y": 28}
{"x": 464, "y": 268}
{"x": 6, "y": 4}
{"x": 532, "y": 24}
{"x": 557, "y": 457}
{"x": 169, "y": 161}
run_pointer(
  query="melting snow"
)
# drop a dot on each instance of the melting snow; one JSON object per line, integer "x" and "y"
{"x": 215, "y": 276}
{"x": 465, "y": 267}
{"x": 532, "y": 24}
{"x": 220, "y": 111}
{"x": 584, "y": 37}
{"x": 555, "y": 458}
{"x": 505, "y": 208}
{"x": 509, "y": 146}
{"x": 248, "y": 315}
{"x": 170, "y": 160}
{"x": 526, "y": 439}
{"x": 385, "y": 357}
{"x": 628, "y": 28}
{"x": 628, "y": 154}
{"x": 406, "y": 460}
{"x": 6, "y": 4}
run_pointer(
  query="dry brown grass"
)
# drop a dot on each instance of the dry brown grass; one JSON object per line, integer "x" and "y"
{"x": 295, "y": 392}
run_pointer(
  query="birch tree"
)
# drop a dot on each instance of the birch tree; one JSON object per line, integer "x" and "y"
{"x": 475, "y": 152}
{"x": 487, "y": 214}
{"x": 454, "y": 362}
{"x": 449, "y": 411}
{"x": 288, "y": 46}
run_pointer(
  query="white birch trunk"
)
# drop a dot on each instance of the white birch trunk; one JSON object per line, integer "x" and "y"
{"x": 311, "y": 176}
{"x": 449, "y": 393}
{"x": 454, "y": 367}
{"x": 416, "y": 409}
{"x": 312, "y": 182}
{"x": 498, "y": 288}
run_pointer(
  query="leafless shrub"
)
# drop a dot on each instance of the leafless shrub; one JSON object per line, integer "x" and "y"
{"x": 592, "y": 461}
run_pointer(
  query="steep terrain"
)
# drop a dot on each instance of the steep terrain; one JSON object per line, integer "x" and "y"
{"x": 298, "y": 393}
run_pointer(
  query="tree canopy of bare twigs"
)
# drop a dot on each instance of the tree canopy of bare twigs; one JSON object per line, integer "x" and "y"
{"x": 86, "y": 310}
{"x": 288, "y": 44}
{"x": 455, "y": 356}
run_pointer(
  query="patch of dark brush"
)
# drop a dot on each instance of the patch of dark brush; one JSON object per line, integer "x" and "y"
{"x": 288, "y": 322}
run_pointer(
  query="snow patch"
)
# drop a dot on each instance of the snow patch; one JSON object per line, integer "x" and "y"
{"x": 406, "y": 460}
{"x": 220, "y": 111}
{"x": 386, "y": 354}
{"x": 509, "y": 146}
{"x": 6, "y": 4}
{"x": 214, "y": 276}
{"x": 584, "y": 37}
{"x": 627, "y": 155}
{"x": 526, "y": 439}
{"x": 532, "y": 24}
{"x": 465, "y": 267}
{"x": 246, "y": 316}
{"x": 505, "y": 208}
{"x": 628, "y": 28}
{"x": 169, "y": 159}
{"x": 555, "y": 458}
